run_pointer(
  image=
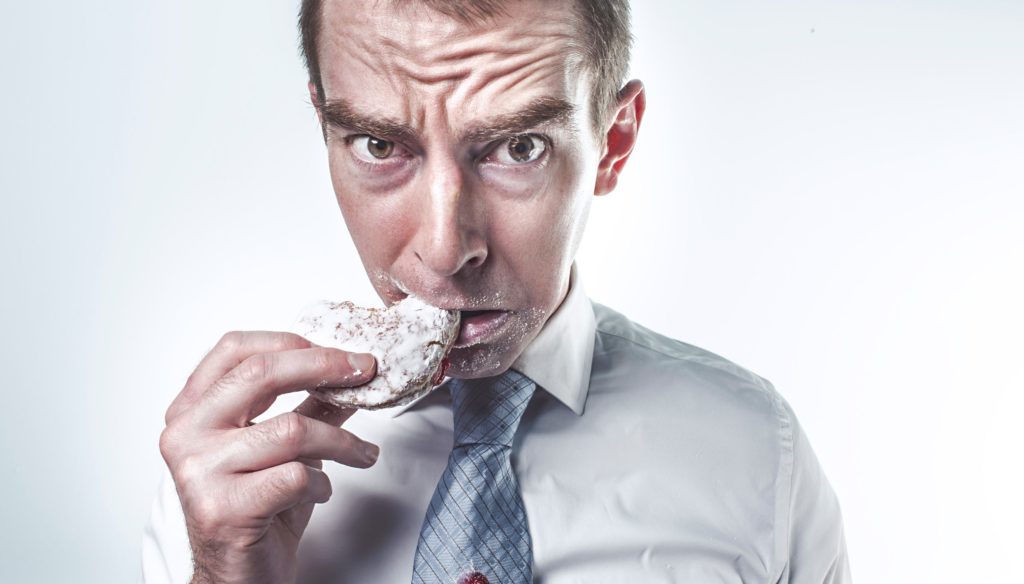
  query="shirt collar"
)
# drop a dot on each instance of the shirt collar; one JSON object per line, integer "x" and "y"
{"x": 560, "y": 357}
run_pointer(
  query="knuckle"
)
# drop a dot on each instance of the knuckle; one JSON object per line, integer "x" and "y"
{"x": 324, "y": 360}
{"x": 173, "y": 411}
{"x": 345, "y": 440}
{"x": 254, "y": 369}
{"x": 191, "y": 384}
{"x": 285, "y": 341}
{"x": 291, "y": 429}
{"x": 205, "y": 512}
{"x": 230, "y": 341}
{"x": 299, "y": 476}
{"x": 168, "y": 444}
{"x": 189, "y": 472}
{"x": 292, "y": 477}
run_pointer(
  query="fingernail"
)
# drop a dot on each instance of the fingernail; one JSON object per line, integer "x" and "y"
{"x": 370, "y": 453}
{"x": 362, "y": 363}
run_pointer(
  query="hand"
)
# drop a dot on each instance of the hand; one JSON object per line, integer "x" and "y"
{"x": 247, "y": 489}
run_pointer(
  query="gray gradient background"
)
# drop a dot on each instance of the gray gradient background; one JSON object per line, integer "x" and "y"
{"x": 828, "y": 193}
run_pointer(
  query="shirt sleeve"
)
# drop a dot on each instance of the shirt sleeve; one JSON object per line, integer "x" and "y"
{"x": 813, "y": 531}
{"x": 166, "y": 554}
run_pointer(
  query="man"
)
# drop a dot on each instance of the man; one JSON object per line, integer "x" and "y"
{"x": 465, "y": 141}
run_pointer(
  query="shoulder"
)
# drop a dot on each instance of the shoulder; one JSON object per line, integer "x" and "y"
{"x": 737, "y": 438}
{"x": 670, "y": 372}
{"x": 693, "y": 398}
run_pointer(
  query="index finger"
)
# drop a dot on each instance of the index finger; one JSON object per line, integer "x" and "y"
{"x": 232, "y": 348}
{"x": 252, "y": 386}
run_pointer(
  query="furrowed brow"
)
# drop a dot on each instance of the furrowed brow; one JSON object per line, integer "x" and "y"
{"x": 545, "y": 110}
{"x": 340, "y": 114}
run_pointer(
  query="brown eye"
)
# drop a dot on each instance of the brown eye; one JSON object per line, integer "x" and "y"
{"x": 379, "y": 148}
{"x": 375, "y": 151}
{"x": 521, "y": 149}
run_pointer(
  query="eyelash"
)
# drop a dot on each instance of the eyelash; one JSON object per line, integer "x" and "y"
{"x": 383, "y": 165}
{"x": 548, "y": 147}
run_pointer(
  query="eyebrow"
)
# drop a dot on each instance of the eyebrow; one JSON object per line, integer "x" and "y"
{"x": 543, "y": 110}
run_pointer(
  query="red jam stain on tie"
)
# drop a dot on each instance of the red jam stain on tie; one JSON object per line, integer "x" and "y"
{"x": 473, "y": 578}
{"x": 439, "y": 378}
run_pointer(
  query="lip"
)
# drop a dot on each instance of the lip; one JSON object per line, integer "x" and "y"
{"x": 479, "y": 325}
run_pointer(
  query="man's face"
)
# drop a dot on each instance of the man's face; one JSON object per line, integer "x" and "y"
{"x": 463, "y": 160}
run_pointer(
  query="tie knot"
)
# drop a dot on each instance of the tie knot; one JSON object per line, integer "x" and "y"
{"x": 488, "y": 410}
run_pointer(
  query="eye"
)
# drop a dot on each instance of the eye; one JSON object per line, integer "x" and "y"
{"x": 370, "y": 149}
{"x": 521, "y": 149}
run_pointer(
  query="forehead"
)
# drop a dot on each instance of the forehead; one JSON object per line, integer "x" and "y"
{"x": 410, "y": 62}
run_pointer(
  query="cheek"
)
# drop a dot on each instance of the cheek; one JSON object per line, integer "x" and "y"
{"x": 543, "y": 237}
{"x": 565, "y": 213}
{"x": 376, "y": 223}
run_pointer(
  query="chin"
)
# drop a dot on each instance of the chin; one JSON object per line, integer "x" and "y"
{"x": 478, "y": 361}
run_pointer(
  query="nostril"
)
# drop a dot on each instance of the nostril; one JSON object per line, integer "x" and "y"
{"x": 447, "y": 256}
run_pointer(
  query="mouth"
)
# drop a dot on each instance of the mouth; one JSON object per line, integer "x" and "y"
{"x": 478, "y": 326}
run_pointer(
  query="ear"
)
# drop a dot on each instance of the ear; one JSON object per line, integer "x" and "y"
{"x": 314, "y": 98}
{"x": 621, "y": 136}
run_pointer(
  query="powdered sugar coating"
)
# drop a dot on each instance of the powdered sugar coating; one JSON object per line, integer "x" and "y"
{"x": 409, "y": 339}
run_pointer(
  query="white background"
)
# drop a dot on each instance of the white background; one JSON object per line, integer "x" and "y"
{"x": 827, "y": 193}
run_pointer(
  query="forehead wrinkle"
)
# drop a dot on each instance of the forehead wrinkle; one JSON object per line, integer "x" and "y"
{"x": 444, "y": 76}
{"x": 456, "y": 53}
{"x": 427, "y": 76}
{"x": 418, "y": 65}
{"x": 500, "y": 43}
{"x": 509, "y": 77}
{"x": 383, "y": 48}
{"x": 346, "y": 85}
{"x": 391, "y": 84}
{"x": 507, "y": 53}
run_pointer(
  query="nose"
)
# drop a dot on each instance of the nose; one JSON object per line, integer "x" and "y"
{"x": 450, "y": 237}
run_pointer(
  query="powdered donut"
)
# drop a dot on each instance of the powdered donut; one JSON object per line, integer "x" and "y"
{"x": 409, "y": 339}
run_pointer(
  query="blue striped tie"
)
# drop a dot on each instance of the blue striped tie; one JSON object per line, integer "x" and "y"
{"x": 475, "y": 529}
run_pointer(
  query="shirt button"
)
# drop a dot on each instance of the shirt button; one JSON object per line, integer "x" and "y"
{"x": 473, "y": 578}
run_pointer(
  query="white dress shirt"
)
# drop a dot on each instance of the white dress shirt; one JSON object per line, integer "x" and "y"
{"x": 641, "y": 459}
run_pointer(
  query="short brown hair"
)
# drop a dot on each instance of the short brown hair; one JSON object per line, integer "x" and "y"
{"x": 603, "y": 32}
